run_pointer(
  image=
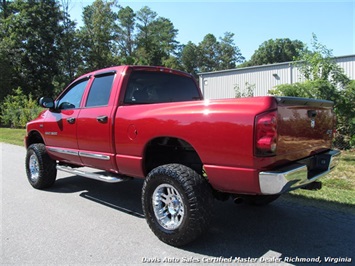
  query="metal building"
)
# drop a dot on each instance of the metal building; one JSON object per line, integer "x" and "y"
{"x": 225, "y": 84}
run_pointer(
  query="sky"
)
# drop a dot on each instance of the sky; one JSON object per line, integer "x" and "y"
{"x": 253, "y": 22}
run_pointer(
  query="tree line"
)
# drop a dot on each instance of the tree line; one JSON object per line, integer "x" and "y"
{"x": 42, "y": 49}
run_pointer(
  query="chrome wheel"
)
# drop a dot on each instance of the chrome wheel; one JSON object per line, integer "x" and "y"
{"x": 177, "y": 203}
{"x": 34, "y": 168}
{"x": 168, "y": 207}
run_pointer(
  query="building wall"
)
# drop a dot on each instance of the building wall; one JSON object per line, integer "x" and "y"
{"x": 223, "y": 84}
{"x": 348, "y": 64}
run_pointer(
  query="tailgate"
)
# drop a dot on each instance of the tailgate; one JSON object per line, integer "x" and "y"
{"x": 305, "y": 126}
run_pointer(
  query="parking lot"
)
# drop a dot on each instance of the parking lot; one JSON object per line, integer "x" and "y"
{"x": 81, "y": 221}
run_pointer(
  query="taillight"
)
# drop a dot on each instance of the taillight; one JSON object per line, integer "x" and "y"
{"x": 266, "y": 134}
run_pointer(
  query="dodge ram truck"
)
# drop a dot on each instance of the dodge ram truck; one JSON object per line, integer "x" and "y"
{"x": 126, "y": 122}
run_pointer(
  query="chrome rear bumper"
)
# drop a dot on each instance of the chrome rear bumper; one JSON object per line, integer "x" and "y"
{"x": 298, "y": 174}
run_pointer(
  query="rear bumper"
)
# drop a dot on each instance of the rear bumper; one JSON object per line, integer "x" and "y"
{"x": 298, "y": 174}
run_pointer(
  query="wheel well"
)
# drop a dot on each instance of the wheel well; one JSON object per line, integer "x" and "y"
{"x": 34, "y": 137}
{"x": 166, "y": 150}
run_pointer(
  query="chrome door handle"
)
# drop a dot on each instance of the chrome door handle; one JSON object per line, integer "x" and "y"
{"x": 102, "y": 119}
{"x": 71, "y": 120}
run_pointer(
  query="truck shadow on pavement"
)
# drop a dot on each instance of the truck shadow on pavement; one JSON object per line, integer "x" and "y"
{"x": 287, "y": 226}
{"x": 290, "y": 227}
{"x": 124, "y": 196}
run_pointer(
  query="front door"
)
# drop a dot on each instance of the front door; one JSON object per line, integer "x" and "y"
{"x": 61, "y": 124}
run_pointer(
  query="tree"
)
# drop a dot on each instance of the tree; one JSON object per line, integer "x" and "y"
{"x": 146, "y": 50}
{"x": 6, "y": 51}
{"x": 97, "y": 36}
{"x": 165, "y": 37}
{"x": 208, "y": 51}
{"x": 125, "y": 35}
{"x": 190, "y": 58}
{"x": 156, "y": 39}
{"x": 69, "y": 49}
{"x": 318, "y": 64}
{"x": 228, "y": 53}
{"x": 216, "y": 55}
{"x": 275, "y": 51}
{"x": 4, "y": 9}
{"x": 31, "y": 41}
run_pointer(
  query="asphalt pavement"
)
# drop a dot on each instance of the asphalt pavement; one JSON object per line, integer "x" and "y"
{"x": 86, "y": 222}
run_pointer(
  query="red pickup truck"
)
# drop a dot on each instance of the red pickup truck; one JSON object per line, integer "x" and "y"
{"x": 152, "y": 122}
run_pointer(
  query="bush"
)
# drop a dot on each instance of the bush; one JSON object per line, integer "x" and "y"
{"x": 345, "y": 110}
{"x": 316, "y": 89}
{"x": 248, "y": 90}
{"x": 17, "y": 109}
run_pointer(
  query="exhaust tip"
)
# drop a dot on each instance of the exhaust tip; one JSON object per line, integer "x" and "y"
{"x": 238, "y": 200}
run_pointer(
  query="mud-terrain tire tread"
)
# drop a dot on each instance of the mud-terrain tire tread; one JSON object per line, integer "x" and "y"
{"x": 196, "y": 195}
{"x": 47, "y": 167}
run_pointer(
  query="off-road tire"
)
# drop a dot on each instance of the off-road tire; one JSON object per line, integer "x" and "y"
{"x": 190, "y": 192}
{"x": 40, "y": 168}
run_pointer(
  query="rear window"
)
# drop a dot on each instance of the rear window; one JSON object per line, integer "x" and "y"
{"x": 158, "y": 87}
{"x": 100, "y": 91}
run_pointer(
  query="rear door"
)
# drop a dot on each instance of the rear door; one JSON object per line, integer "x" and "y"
{"x": 95, "y": 124}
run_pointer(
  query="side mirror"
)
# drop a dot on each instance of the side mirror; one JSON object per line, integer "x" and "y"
{"x": 46, "y": 102}
{"x": 66, "y": 105}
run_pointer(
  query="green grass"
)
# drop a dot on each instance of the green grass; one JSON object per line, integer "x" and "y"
{"x": 12, "y": 136}
{"x": 338, "y": 186}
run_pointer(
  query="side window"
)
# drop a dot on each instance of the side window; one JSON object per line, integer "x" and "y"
{"x": 100, "y": 91}
{"x": 73, "y": 96}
